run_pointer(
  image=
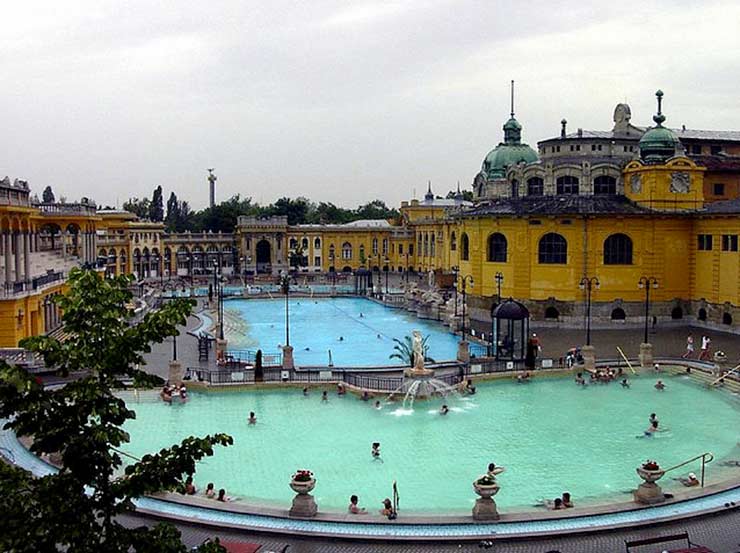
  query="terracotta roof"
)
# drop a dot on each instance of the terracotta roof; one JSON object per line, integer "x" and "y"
{"x": 718, "y": 163}
{"x": 728, "y": 206}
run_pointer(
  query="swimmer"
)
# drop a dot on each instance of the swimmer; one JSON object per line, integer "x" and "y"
{"x": 579, "y": 379}
{"x": 625, "y": 383}
{"x": 377, "y": 405}
{"x": 444, "y": 410}
{"x": 252, "y": 418}
{"x": 380, "y": 337}
{"x": 657, "y": 368}
{"x": 375, "y": 452}
{"x": 324, "y": 396}
{"x": 659, "y": 385}
{"x": 690, "y": 481}
{"x": 305, "y": 391}
{"x": 365, "y": 396}
{"x": 653, "y": 418}
{"x": 306, "y": 349}
{"x": 652, "y": 429}
{"x": 341, "y": 338}
{"x": 361, "y": 315}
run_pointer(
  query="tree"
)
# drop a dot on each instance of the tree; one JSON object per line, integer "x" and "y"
{"x": 138, "y": 207}
{"x": 296, "y": 210}
{"x": 48, "y": 195}
{"x": 404, "y": 350}
{"x": 467, "y": 195}
{"x": 156, "y": 207}
{"x": 173, "y": 213}
{"x": 81, "y": 423}
{"x": 375, "y": 210}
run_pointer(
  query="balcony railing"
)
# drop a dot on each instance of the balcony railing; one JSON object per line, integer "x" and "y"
{"x": 80, "y": 209}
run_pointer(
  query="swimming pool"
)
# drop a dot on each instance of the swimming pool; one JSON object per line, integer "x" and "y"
{"x": 550, "y": 434}
{"x": 366, "y": 329}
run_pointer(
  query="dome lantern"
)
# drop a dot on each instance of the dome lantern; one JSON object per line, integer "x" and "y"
{"x": 659, "y": 143}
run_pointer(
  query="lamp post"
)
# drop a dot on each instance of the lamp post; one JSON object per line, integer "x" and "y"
{"x": 285, "y": 287}
{"x": 386, "y": 261}
{"x": 464, "y": 283}
{"x": 646, "y": 283}
{"x": 218, "y": 290}
{"x": 499, "y": 276}
{"x": 588, "y": 283}
{"x": 332, "y": 269}
{"x": 455, "y": 271}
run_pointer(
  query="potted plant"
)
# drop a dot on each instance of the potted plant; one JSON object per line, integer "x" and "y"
{"x": 486, "y": 486}
{"x": 650, "y": 471}
{"x": 302, "y": 481}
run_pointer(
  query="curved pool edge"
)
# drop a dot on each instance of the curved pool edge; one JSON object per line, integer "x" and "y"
{"x": 408, "y": 528}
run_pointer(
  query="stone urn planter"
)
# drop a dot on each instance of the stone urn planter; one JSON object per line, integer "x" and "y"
{"x": 485, "y": 507}
{"x": 649, "y": 492}
{"x": 304, "y": 504}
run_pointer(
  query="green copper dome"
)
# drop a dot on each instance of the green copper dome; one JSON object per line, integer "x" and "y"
{"x": 504, "y": 156}
{"x": 658, "y": 143}
{"x": 509, "y": 152}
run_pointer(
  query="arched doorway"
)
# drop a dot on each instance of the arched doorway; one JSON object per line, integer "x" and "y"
{"x": 264, "y": 254}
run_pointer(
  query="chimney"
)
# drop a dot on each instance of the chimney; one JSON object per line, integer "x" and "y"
{"x": 580, "y": 133}
{"x": 563, "y": 123}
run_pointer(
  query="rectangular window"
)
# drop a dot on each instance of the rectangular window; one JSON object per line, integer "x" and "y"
{"x": 400, "y": 249}
{"x": 566, "y": 222}
{"x": 593, "y": 147}
{"x": 557, "y": 148}
{"x": 316, "y": 261}
{"x": 600, "y": 147}
{"x": 696, "y": 149}
{"x": 715, "y": 150}
{"x": 704, "y": 242}
{"x": 535, "y": 222}
{"x": 411, "y": 249}
{"x": 625, "y": 148}
{"x": 578, "y": 147}
{"x": 571, "y": 147}
{"x": 719, "y": 188}
{"x": 729, "y": 242}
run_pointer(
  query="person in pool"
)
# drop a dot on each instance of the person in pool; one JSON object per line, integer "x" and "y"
{"x": 377, "y": 404}
{"x": 659, "y": 386}
{"x": 324, "y": 396}
{"x": 444, "y": 410}
{"x": 387, "y": 509}
{"x": 652, "y": 429}
{"x": 567, "y": 501}
{"x": 222, "y": 496}
{"x": 625, "y": 383}
{"x": 305, "y": 391}
{"x": 210, "y": 492}
{"x": 653, "y": 418}
{"x": 354, "y": 508}
{"x": 375, "y": 452}
{"x": 493, "y": 470}
{"x": 252, "y": 418}
{"x": 689, "y": 481}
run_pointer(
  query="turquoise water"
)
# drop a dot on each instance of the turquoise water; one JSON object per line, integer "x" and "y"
{"x": 550, "y": 434}
{"x": 317, "y": 324}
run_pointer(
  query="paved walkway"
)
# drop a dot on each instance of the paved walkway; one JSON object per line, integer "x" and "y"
{"x": 720, "y": 532}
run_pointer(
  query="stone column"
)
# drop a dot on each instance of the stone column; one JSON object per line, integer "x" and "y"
{"x": 646, "y": 355}
{"x": 64, "y": 244}
{"x": 18, "y": 247}
{"x": 8, "y": 261}
{"x": 175, "y": 373}
{"x": 288, "y": 363}
{"x": 589, "y": 357}
{"x": 27, "y": 256}
{"x": 463, "y": 352}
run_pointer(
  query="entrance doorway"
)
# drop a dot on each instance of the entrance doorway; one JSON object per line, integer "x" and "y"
{"x": 264, "y": 261}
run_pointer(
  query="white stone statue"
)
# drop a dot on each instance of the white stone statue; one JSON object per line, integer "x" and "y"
{"x": 430, "y": 278}
{"x": 418, "y": 350}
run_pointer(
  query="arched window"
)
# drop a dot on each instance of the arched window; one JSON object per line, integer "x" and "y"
{"x": 453, "y": 241}
{"x": 618, "y": 314}
{"x": 362, "y": 253}
{"x": 317, "y": 243}
{"x": 567, "y": 185}
{"x": 426, "y": 244}
{"x": 497, "y": 248}
{"x": 346, "y": 250}
{"x": 552, "y": 313}
{"x": 553, "y": 249}
{"x": 605, "y": 184}
{"x": 535, "y": 186}
{"x": 385, "y": 246}
{"x": 304, "y": 243}
{"x": 464, "y": 247}
{"x": 618, "y": 250}
{"x": 375, "y": 246}
{"x": 702, "y": 315}
{"x": 677, "y": 313}
{"x": 432, "y": 246}
{"x": 727, "y": 319}
{"x": 293, "y": 243}
{"x": 514, "y": 188}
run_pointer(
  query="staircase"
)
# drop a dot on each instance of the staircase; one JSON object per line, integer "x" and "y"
{"x": 706, "y": 378}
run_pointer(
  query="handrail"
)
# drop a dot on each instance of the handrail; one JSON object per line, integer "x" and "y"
{"x": 724, "y": 375}
{"x": 625, "y": 359}
{"x": 705, "y": 458}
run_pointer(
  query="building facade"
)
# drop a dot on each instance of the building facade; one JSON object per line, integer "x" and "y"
{"x": 618, "y": 205}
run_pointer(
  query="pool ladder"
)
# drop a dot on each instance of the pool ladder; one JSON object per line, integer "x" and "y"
{"x": 705, "y": 458}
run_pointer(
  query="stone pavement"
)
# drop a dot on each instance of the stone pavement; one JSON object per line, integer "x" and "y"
{"x": 720, "y": 532}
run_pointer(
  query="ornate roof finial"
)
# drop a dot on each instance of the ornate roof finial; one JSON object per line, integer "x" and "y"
{"x": 429, "y": 195}
{"x": 458, "y": 187}
{"x": 512, "y": 98}
{"x": 659, "y": 117}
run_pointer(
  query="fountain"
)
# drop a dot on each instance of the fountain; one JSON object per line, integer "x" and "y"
{"x": 418, "y": 381}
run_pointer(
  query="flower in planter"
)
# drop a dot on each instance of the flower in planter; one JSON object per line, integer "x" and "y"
{"x": 650, "y": 465}
{"x": 303, "y": 475}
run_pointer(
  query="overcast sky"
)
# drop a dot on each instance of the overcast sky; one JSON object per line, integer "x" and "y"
{"x": 337, "y": 101}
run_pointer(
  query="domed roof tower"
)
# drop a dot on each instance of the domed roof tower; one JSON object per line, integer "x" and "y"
{"x": 509, "y": 152}
{"x": 659, "y": 143}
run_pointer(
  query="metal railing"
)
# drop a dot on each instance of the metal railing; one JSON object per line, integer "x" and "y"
{"x": 705, "y": 458}
{"x": 249, "y": 356}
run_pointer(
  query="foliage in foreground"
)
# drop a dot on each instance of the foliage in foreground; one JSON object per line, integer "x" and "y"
{"x": 81, "y": 424}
